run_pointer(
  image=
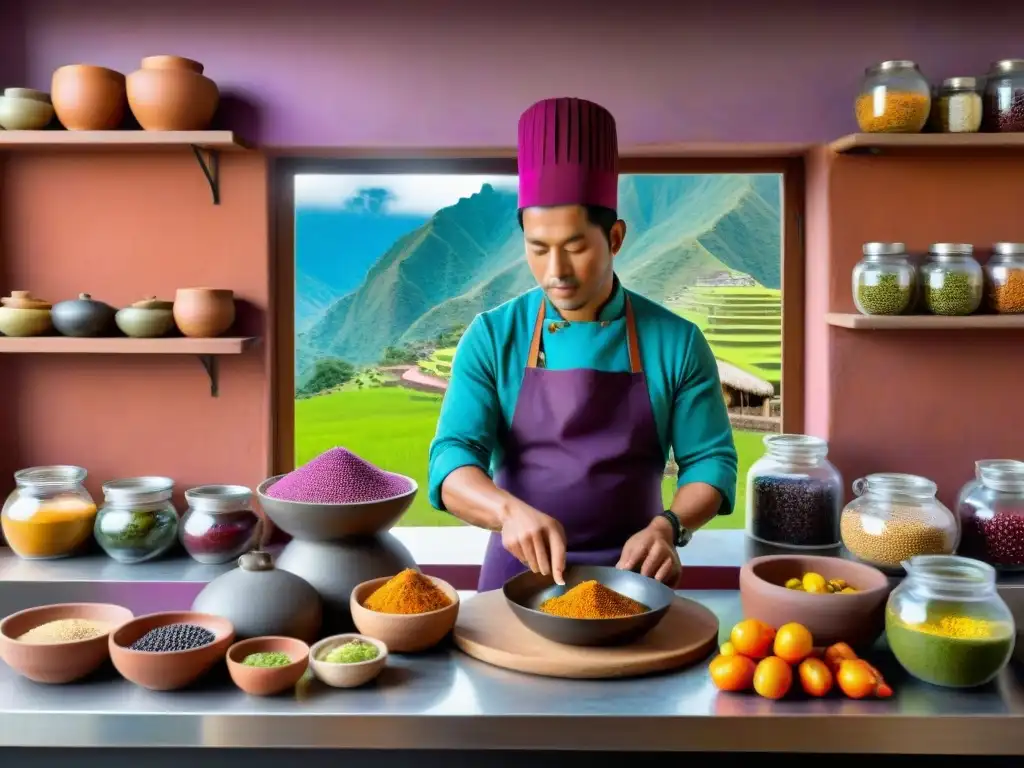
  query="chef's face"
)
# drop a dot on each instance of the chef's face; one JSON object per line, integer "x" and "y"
{"x": 570, "y": 256}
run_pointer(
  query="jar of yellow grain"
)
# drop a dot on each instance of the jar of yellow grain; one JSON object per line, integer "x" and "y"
{"x": 896, "y": 517}
{"x": 894, "y": 97}
{"x": 947, "y": 625}
{"x": 1004, "y": 279}
{"x": 49, "y": 513}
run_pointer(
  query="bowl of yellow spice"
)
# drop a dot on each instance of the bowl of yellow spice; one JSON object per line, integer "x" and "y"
{"x": 597, "y": 605}
{"x": 267, "y": 666}
{"x": 348, "y": 661}
{"x": 408, "y": 612}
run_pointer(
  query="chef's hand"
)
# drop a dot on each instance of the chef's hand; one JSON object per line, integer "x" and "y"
{"x": 534, "y": 539}
{"x": 653, "y": 550}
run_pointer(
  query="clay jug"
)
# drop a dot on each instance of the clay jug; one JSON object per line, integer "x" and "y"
{"x": 203, "y": 313}
{"x": 170, "y": 93}
{"x": 88, "y": 98}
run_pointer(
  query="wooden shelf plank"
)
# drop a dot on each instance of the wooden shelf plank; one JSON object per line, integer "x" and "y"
{"x": 926, "y": 142}
{"x": 860, "y": 322}
{"x": 224, "y": 141}
{"x": 63, "y": 345}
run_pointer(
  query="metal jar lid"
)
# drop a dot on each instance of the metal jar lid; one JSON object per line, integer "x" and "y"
{"x": 1006, "y": 66}
{"x": 960, "y": 84}
{"x": 1008, "y": 249}
{"x": 884, "y": 249}
{"x": 52, "y": 477}
{"x": 219, "y": 498}
{"x": 951, "y": 249}
{"x": 891, "y": 66}
{"x": 138, "y": 490}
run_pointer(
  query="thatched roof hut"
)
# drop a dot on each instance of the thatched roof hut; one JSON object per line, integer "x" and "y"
{"x": 741, "y": 381}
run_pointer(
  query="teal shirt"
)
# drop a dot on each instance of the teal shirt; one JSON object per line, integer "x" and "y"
{"x": 682, "y": 379}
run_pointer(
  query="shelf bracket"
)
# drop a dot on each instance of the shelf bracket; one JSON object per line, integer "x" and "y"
{"x": 209, "y": 363}
{"x": 209, "y": 163}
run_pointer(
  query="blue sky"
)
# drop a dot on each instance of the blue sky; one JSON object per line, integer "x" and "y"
{"x": 410, "y": 194}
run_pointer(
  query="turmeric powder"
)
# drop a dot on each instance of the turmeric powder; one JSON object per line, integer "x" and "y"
{"x": 962, "y": 627}
{"x": 592, "y": 600}
{"x": 407, "y": 593}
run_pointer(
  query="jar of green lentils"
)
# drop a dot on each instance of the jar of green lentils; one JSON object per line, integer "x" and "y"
{"x": 137, "y": 522}
{"x": 952, "y": 280}
{"x": 884, "y": 280}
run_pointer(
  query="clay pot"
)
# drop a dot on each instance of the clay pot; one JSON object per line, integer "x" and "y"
{"x": 146, "y": 319}
{"x": 267, "y": 681}
{"x": 21, "y": 315}
{"x": 83, "y": 317}
{"x": 170, "y": 93}
{"x": 203, "y": 313}
{"x": 88, "y": 98}
{"x": 25, "y": 109}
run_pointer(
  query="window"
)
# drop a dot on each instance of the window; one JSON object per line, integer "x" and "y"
{"x": 391, "y": 261}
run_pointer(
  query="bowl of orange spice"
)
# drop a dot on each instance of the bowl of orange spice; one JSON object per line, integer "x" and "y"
{"x": 408, "y": 612}
{"x": 49, "y": 514}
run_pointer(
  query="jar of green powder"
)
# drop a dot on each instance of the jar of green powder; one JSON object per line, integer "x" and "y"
{"x": 952, "y": 280}
{"x": 884, "y": 280}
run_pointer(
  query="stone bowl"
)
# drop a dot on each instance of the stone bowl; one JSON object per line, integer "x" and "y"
{"x": 329, "y": 522}
{"x": 404, "y": 633}
{"x": 141, "y": 323}
{"x": 347, "y": 675}
{"x": 58, "y": 662}
{"x": 269, "y": 681}
{"x": 857, "y": 618}
{"x": 171, "y": 670}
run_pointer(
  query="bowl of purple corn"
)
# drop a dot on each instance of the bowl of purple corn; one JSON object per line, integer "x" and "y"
{"x": 336, "y": 495}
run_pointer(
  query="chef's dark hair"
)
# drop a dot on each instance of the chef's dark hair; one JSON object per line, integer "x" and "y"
{"x": 597, "y": 215}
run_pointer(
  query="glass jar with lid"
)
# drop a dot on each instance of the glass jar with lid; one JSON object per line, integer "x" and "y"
{"x": 794, "y": 494}
{"x": 49, "y": 514}
{"x": 896, "y": 517}
{"x": 884, "y": 280}
{"x": 959, "y": 106}
{"x": 947, "y": 625}
{"x": 952, "y": 280}
{"x": 1004, "y": 278}
{"x": 991, "y": 513}
{"x": 1004, "y": 97}
{"x": 137, "y": 521}
{"x": 894, "y": 98}
{"x": 220, "y": 524}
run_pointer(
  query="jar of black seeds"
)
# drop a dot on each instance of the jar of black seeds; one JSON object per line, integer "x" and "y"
{"x": 952, "y": 280}
{"x": 884, "y": 280}
{"x": 794, "y": 494}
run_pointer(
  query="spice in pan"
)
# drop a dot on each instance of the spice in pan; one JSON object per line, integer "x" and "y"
{"x": 64, "y": 631}
{"x": 592, "y": 600}
{"x": 794, "y": 511}
{"x": 174, "y": 637}
{"x": 352, "y": 652}
{"x": 407, "y": 593}
{"x": 267, "y": 659}
{"x": 338, "y": 476}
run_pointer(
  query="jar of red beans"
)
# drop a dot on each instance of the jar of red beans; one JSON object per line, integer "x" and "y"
{"x": 220, "y": 524}
{"x": 992, "y": 515}
{"x": 1004, "y": 97}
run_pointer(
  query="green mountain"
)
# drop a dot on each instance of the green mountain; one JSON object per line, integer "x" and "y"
{"x": 469, "y": 258}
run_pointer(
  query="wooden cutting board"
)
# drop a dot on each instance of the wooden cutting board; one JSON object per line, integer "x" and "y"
{"x": 488, "y": 630}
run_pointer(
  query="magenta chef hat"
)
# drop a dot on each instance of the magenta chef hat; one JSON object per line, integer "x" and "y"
{"x": 568, "y": 155}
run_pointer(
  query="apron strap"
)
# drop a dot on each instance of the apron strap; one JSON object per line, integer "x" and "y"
{"x": 635, "y": 363}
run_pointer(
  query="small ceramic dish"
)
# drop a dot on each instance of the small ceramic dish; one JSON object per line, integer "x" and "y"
{"x": 404, "y": 632}
{"x": 346, "y": 675}
{"x": 58, "y": 662}
{"x": 267, "y": 681}
{"x": 18, "y": 113}
{"x": 28, "y": 93}
{"x": 146, "y": 319}
{"x": 169, "y": 670}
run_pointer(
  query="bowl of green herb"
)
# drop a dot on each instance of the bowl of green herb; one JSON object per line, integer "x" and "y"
{"x": 348, "y": 661}
{"x": 267, "y": 666}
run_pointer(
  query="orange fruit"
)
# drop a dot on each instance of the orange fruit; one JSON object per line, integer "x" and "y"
{"x": 773, "y": 678}
{"x": 732, "y": 673}
{"x": 727, "y": 649}
{"x": 837, "y": 653}
{"x": 752, "y": 638}
{"x": 815, "y": 677}
{"x": 856, "y": 678}
{"x": 793, "y": 643}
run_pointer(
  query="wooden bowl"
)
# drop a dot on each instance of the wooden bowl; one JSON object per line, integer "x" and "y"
{"x": 404, "y": 633}
{"x": 58, "y": 662}
{"x": 170, "y": 670}
{"x": 267, "y": 681}
{"x": 856, "y": 618}
{"x": 347, "y": 675}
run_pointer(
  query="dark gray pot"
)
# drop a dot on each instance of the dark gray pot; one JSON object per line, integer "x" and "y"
{"x": 82, "y": 317}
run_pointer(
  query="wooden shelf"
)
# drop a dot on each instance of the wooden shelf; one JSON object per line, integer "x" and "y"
{"x": 223, "y": 141}
{"x": 860, "y": 322}
{"x": 916, "y": 143}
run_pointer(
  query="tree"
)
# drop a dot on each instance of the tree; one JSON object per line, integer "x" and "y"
{"x": 328, "y": 373}
{"x": 402, "y": 355}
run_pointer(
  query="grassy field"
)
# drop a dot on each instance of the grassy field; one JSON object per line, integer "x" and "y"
{"x": 392, "y": 427}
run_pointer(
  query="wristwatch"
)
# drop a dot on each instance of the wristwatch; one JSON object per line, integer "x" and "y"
{"x": 680, "y": 532}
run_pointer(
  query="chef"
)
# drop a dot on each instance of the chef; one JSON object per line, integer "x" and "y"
{"x": 564, "y": 402}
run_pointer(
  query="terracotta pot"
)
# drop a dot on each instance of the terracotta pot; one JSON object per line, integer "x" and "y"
{"x": 88, "y": 98}
{"x": 170, "y": 93}
{"x": 404, "y": 632}
{"x": 202, "y": 313}
{"x": 267, "y": 681}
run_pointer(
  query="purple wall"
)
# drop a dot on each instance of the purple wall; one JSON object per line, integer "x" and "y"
{"x": 382, "y": 72}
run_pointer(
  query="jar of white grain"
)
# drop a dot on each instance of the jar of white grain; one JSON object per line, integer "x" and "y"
{"x": 960, "y": 105}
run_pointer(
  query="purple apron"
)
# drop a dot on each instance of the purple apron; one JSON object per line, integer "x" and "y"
{"x": 583, "y": 447}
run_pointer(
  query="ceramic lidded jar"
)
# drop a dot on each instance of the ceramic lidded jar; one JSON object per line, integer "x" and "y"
{"x": 146, "y": 319}
{"x": 83, "y": 317}
{"x": 88, "y": 98}
{"x": 23, "y": 315}
{"x": 260, "y": 600}
{"x": 203, "y": 313}
{"x": 170, "y": 93}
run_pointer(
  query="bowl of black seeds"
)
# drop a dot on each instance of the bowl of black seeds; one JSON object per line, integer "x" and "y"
{"x": 168, "y": 651}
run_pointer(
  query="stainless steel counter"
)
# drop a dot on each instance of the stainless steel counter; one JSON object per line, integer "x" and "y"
{"x": 446, "y": 701}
